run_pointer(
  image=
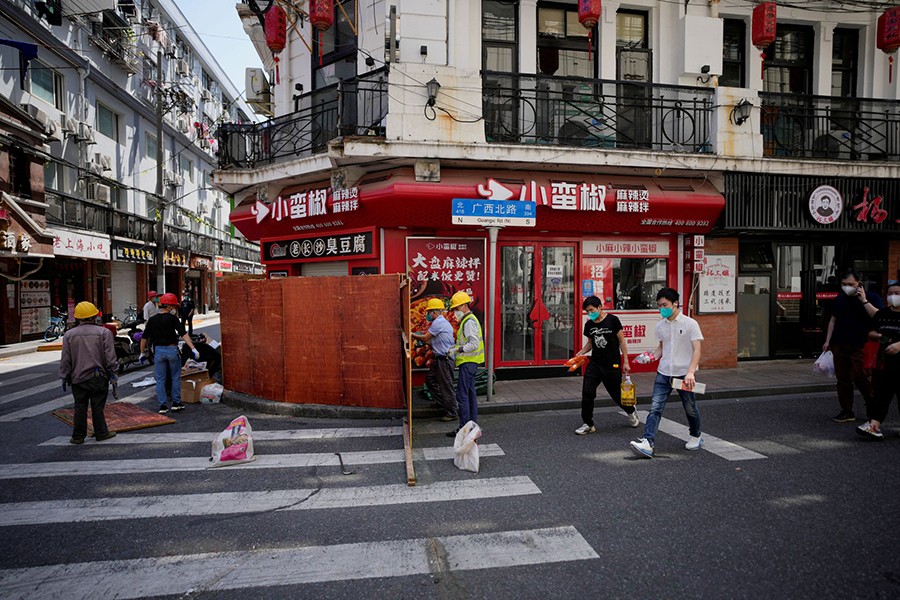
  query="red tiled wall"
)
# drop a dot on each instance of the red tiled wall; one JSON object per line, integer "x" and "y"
{"x": 893, "y": 266}
{"x": 719, "y": 331}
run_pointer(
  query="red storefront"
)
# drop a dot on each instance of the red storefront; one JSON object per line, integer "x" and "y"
{"x": 620, "y": 238}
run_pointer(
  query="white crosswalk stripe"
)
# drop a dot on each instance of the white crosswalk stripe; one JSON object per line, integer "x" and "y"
{"x": 142, "y": 507}
{"x": 711, "y": 443}
{"x": 332, "y": 433}
{"x": 220, "y": 571}
{"x": 28, "y": 377}
{"x": 264, "y": 461}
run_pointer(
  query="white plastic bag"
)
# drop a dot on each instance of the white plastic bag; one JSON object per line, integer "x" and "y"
{"x": 465, "y": 447}
{"x": 234, "y": 445}
{"x": 824, "y": 365}
{"x": 211, "y": 393}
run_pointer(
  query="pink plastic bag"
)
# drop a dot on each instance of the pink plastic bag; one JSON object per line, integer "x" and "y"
{"x": 234, "y": 445}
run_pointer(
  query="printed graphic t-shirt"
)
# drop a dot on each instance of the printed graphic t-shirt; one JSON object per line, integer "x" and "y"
{"x": 605, "y": 350}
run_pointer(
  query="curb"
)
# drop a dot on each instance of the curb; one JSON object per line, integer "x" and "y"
{"x": 325, "y": 411}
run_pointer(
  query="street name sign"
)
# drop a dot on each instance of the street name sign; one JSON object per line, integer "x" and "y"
{"x": 494, "y": 213}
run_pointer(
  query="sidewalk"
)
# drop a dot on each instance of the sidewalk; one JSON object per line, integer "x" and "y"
{"x": 10, "y": 350}
{"x": 749, "y": 379}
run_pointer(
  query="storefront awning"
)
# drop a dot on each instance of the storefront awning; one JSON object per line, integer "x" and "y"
{"x": 566, "y": 203}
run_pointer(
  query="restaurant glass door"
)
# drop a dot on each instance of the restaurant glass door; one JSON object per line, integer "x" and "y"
{"x": 537, "y": 291}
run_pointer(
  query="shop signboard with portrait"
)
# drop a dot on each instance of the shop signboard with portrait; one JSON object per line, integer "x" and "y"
{"x": 438, "y": 268}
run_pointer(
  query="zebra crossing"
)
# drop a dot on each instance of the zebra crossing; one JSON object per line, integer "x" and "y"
{"x": 279, "y": 564}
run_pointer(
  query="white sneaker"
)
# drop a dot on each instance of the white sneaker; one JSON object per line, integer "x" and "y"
{"x": 633, "y": 420}
{"x": 642, "y": 448}
{"x": 694, "y": 443}
{"x": 585, "y": 429}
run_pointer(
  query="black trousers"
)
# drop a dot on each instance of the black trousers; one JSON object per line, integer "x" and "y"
{"x": 887, "y": 386}
{"x": 92, "y": 392}
{"x": 611, "y": 379}
{"x": 440, "y": 383}
{"x": 188, "y": 324}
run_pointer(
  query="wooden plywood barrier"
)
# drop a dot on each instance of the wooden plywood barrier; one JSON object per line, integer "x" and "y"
{"x": 315, "y": 340}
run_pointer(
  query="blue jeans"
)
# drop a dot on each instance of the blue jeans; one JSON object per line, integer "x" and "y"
{"x": 168, "y": 368}
{"x": 465, "y": 393}
{"x": 662, "y": 387}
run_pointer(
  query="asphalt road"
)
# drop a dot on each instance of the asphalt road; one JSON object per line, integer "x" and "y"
{"x": 809, "y": 511}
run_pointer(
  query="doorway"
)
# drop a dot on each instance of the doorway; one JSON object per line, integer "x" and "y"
{"x": 537, "y": 303}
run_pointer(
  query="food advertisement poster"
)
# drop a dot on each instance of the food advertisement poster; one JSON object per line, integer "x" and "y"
{"x": 34, "y": 299}
{"x": 438, "y": 268}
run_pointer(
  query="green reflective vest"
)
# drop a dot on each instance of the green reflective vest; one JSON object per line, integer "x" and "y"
{"x": 477, "y": 355}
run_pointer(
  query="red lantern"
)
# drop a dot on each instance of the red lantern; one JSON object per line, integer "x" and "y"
{"x": 765, "y": 23}
{"x": 321, "y": 14}
{"x": 889, "y": 36}
{"x": 588, "y": 13}
{"x": 276, "y": 29}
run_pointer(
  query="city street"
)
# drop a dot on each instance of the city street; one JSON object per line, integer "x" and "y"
{"x": 780, "y": 502}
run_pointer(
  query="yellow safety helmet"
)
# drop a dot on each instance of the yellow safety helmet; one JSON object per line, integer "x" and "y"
{"x": 458, "y": 299}
{"x": 85, "y": 310}
{"x": 435, "y": 304}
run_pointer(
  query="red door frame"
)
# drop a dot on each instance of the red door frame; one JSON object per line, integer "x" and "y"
{"x": 537, "y": 284}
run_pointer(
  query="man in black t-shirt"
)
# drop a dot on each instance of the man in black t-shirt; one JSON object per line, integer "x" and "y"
{"x": 886, "y": 374}
{"x": 163, "y": 331}
{"x": 606, "y": 343}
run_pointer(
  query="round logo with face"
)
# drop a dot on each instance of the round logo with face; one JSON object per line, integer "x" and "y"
{"x": 825, "y": 205}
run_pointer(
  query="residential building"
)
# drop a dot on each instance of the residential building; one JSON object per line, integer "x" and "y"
{"x": 658, "y": 146}
{"x": 92, "y": 84}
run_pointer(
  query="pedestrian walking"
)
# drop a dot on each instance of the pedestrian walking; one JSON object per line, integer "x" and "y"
{"x": 679, "y": 356}
{"x": 886, "y": 374}
{"x": 151, "y": 307}
{"x": 609, "y": 360}
{"x": 468, "y": 354}
{"x": 163, "y": 331}
{"x": 187, "y": 313}
{"x": 847, "y": 333}
{"x": 440, "y": 373}
{"x": 88, "y": 364}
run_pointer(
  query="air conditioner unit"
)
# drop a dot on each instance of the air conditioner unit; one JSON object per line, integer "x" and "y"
{"x": 835, "y": 145}
{"x": 95, "y": 168}
{"x": 68, "y": 125}
{"x": 201, "y": 208}
{"x": 85, "y": 133}
{"x": 181, "y": 68}
{"x": 97, "y": 192}
{"x": 179, "y": 180}
{"x": 180, "y": 220}
{"x": 204, "y": 143}
{"x": 104, "y": 161}
{"x": 183, "y": 124}
{"x": 206, "y": 95}
{"x": 257, "y": 86}
{"x": 169, "y": 177}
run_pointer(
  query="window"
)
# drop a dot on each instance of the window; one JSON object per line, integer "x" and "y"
{"x": 337, "y": 48}
{"x": 206, "y": 80}
{"x": 47, "y": 84}
{"x": 634, "y": 60}
{"x": 187, "y": 165}
{"x": 844, "y": 62}
{"x": 152, "y": 206}
{"x": 789, "y": 61}
{"x": 19, "y": 173}
{"x": 150, "y": 148}
{"x": 733, "y": 53}
{"x": 499, "y": 54}
{"x": 562, "y": 43}
{"x": 631, "y": 29}
{"x": 50, "y": 175}
{"x": 107, "y": 122}
{"x": 633, "y": 281}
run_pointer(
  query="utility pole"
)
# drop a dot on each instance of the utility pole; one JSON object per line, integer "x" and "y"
{"x": 160, "y": 197}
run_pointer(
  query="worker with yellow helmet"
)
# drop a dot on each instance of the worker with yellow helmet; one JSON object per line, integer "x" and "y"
{"x": 88, "y": 364}
{"x": 440, "y": 373}
{"x": 469, "y": 354}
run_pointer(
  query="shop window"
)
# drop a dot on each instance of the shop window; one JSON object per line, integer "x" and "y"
{"x": 789, "y": 61}
{"x": 757, "y": 257}
{"x": 627, "y": 283}
{"x": 734, "y": 53}
{"x": 46, "y": 84}
{"x": 107, "y": 122}
{"x": 563, "y": 43}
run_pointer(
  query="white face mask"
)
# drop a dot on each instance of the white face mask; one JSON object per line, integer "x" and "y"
{"x": 850, "y": 290}
{"x": 459, "y": 315}
{"x": 894, "y": 300}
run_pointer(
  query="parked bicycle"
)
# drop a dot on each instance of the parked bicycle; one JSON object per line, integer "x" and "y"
{"x": 131, "y": 316}
{"x": 57, "y": 325}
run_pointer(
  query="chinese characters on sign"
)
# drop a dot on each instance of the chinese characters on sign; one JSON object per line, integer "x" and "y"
{"x": 621, "y": 248}
{"x": 323, "y": 247}
{"x": 126, "y": 253}
{"x": 9, "y": 241}
{"x": 80, "y": 244}
{"x": 633, "y": 201}
{"x": 717, "y": 284}
{"x": 302, "y": 205}
{"x": 870, "y": 209}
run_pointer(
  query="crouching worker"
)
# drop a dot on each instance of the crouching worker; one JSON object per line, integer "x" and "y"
{"x": 88, "y": 363}
{"x": 163, "y": 331}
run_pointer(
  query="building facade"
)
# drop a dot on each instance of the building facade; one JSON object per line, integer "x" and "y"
{"x": 92, "y": 82}
{"x": 657, "y": 146}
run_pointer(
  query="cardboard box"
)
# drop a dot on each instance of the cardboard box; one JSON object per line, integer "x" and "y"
{"x": 192, "y": 382}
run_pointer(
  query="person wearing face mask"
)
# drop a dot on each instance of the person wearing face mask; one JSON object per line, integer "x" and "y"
{"x": 886, "y": 374}
{"x": 847, "y": 333}
{"x": 440, "y": 374}
{"x": 679, "y": 356}
{"x": 606, "y": 343}
{"x": 469, "y": 354}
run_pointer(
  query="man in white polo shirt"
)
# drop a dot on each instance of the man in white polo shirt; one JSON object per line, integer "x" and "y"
{"x": 679, "y": 351}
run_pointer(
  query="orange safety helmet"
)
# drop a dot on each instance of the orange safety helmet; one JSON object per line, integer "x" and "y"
{"x": 169, "y": 300}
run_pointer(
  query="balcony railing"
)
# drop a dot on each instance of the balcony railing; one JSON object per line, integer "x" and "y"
{"x": 76, "y": 212}
{"x": 592, "y": 113}
{"x": 838, "y": 128}
{"x": 352, "y": 107}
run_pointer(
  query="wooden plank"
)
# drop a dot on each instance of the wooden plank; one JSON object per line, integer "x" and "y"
{"x": 265, "y": 351}
{"x": 407, "y": 451}
{"x": 235, "y": 331}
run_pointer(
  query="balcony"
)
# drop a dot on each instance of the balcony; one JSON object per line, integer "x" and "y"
{"x": 71, "y": 211}
{"x": 593, "y": 113}
{"x": 354, "y": 107}
{"x": 799, "y": 126}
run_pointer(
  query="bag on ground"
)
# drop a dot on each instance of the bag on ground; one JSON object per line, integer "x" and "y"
{"x": 824, "y": 365}
{"x": 234, "y": 445}
{"x": 211, "y": 393}
{"x": 465, "y": 447}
